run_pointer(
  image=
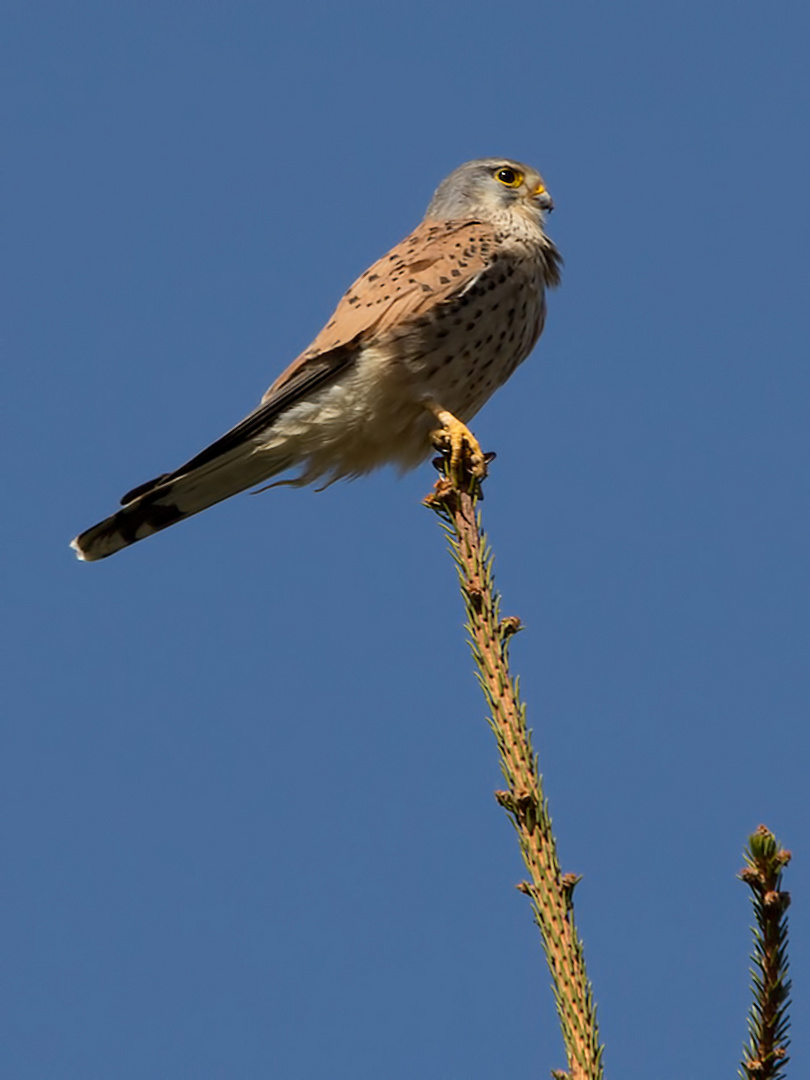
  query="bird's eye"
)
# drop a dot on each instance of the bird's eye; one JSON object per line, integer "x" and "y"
{"x": 509, "y": 177}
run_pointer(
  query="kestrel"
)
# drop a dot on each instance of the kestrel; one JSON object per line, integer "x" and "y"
{"x": 416, "y": 346}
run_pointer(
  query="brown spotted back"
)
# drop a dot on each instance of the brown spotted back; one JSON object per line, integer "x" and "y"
{"x": 435, "y": 261}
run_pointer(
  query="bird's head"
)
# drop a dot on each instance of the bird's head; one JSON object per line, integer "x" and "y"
{"x": 489, "y": 189}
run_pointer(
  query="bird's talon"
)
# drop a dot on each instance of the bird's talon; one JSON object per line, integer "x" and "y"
{"x": 454, "y": 439}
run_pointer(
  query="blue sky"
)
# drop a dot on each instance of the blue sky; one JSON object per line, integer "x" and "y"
{"x": 248, "y": 824}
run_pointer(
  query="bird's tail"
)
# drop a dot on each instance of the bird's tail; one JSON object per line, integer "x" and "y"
{"x": 174, "y": 496}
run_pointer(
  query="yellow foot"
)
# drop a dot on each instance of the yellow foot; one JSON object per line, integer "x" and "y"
{"x": 456, "y": 438}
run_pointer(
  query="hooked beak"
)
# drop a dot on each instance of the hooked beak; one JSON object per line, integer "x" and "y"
{"x": 542, "y": 198}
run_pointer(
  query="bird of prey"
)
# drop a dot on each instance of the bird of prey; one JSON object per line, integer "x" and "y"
{"x": 414, "y": 349}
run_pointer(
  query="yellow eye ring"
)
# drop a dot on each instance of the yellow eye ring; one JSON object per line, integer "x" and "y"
{"x": 511, "y": 178}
